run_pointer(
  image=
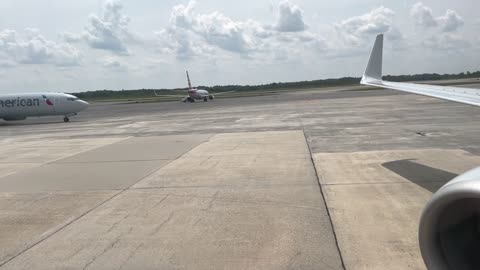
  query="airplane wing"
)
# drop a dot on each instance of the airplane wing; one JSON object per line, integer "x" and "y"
{"x": 223, "y": 93}
{"x": 373, "y": 77}
{"x": 159, "y": 95}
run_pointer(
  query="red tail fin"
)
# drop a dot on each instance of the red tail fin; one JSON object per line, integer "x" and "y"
{"x": 189, "y": 83}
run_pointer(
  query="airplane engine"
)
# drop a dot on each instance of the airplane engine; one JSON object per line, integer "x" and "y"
{"x": 211, "y": 97}
{"x": 449, "y": 233}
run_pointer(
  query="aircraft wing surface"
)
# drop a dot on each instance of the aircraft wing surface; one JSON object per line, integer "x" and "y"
{"x": 166, "y": 95}
{"x": 223, "y": 93}
{"x": 373, "y": 77}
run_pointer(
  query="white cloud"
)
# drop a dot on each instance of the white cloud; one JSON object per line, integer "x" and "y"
{"x": 217, "y": 29}
{"x": 356, "y": 30}
{"x": 34, "y": 48}
{"x": 303, "y": 40}
{"x": 71, "y": 37}
{"x": 423, "y": 16}
{"x": 446, "y": 42}
{"x": 114, "y": 64}
{"x": 7, "y": 36}
{"x": 451, "y": 21}
{"x": 445, "y": 37}
{"x": 247, "y": 42}
{"x": 223, "y": 32}
{"x": 109, "y": 31}
{"x": 394, "y": 34}
{"x": 6, "y": 63}
{"x": 377, "y": 21}
{"x": 179, "y": 42}
{"x": 182, "y": 16}
{"x": 193, "y": 34}
{"x": 290, "y": 18}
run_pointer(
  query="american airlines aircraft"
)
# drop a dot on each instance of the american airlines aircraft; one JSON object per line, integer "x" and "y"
{"x": 196, "y": 94}
{"x": 449, "y": 231}
{"x": 14, "y": 107}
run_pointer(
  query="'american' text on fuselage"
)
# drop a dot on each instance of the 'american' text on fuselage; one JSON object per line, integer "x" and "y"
{"x": 20, "y": 102}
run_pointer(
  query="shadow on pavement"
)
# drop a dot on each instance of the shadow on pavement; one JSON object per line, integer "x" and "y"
{"x": 427, "y": 177}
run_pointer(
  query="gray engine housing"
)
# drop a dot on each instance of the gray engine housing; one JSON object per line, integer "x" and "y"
{"x": 449, "y": 232}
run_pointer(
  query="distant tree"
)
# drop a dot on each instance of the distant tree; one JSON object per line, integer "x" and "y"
{"x": 145, "y": 93}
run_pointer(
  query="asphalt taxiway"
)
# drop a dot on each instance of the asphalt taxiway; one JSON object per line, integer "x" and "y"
{"x": 330, "y": 179}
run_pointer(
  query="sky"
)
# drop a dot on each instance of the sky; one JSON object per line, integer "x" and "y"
{"x": 73, "y": 46}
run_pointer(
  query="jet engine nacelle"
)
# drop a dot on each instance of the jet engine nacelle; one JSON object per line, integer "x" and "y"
{"x": 449, "y": 232}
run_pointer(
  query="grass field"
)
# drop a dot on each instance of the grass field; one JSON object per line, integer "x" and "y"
{"x": 178, "y": 95}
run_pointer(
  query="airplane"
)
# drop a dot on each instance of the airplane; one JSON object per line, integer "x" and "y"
{"x": 196, "y": 94}
{"x": 449, "y": 228}
{"x": 16, "y": 107}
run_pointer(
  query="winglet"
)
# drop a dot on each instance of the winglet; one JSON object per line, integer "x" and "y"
{"x": 374, "y": 67}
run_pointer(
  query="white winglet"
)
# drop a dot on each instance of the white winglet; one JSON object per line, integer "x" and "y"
{"x": 374, "y": 67}
{"x": 373, "y": 77}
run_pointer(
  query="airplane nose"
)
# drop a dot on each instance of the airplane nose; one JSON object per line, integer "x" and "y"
{"x": 83, "y": 104}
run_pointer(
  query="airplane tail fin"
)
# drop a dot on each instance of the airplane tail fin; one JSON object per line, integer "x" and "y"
{"x": 189, "y": 83}
{"x": 374, "y": 67}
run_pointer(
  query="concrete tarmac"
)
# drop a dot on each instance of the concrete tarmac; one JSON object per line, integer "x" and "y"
{"x": 330, "y": 179}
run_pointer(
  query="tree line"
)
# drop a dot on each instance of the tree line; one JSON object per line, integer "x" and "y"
{"x": 144, "y": 93}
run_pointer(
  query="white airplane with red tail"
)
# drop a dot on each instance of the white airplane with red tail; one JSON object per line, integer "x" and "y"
{"x": 196, "y": 94}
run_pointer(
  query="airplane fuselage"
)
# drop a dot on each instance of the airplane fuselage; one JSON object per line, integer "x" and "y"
{"x": 198, "y": 94}
{"x": 20, "y": 106}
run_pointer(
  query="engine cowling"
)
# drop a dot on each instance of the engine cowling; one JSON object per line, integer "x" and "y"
{"x": 449, "y": 232}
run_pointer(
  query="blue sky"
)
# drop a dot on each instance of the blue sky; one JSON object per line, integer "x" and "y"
{"x": 71, "y": 46}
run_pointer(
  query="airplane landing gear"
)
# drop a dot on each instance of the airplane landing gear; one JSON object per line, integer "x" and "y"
{"x": 205, "y": 99}
{"x": 66, "y": 119}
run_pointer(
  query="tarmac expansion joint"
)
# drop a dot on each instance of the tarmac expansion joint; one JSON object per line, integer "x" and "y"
{"x": 325, "y": 201}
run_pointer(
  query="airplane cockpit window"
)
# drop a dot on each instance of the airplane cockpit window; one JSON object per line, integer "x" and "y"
{"x": 70, "y": 99}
